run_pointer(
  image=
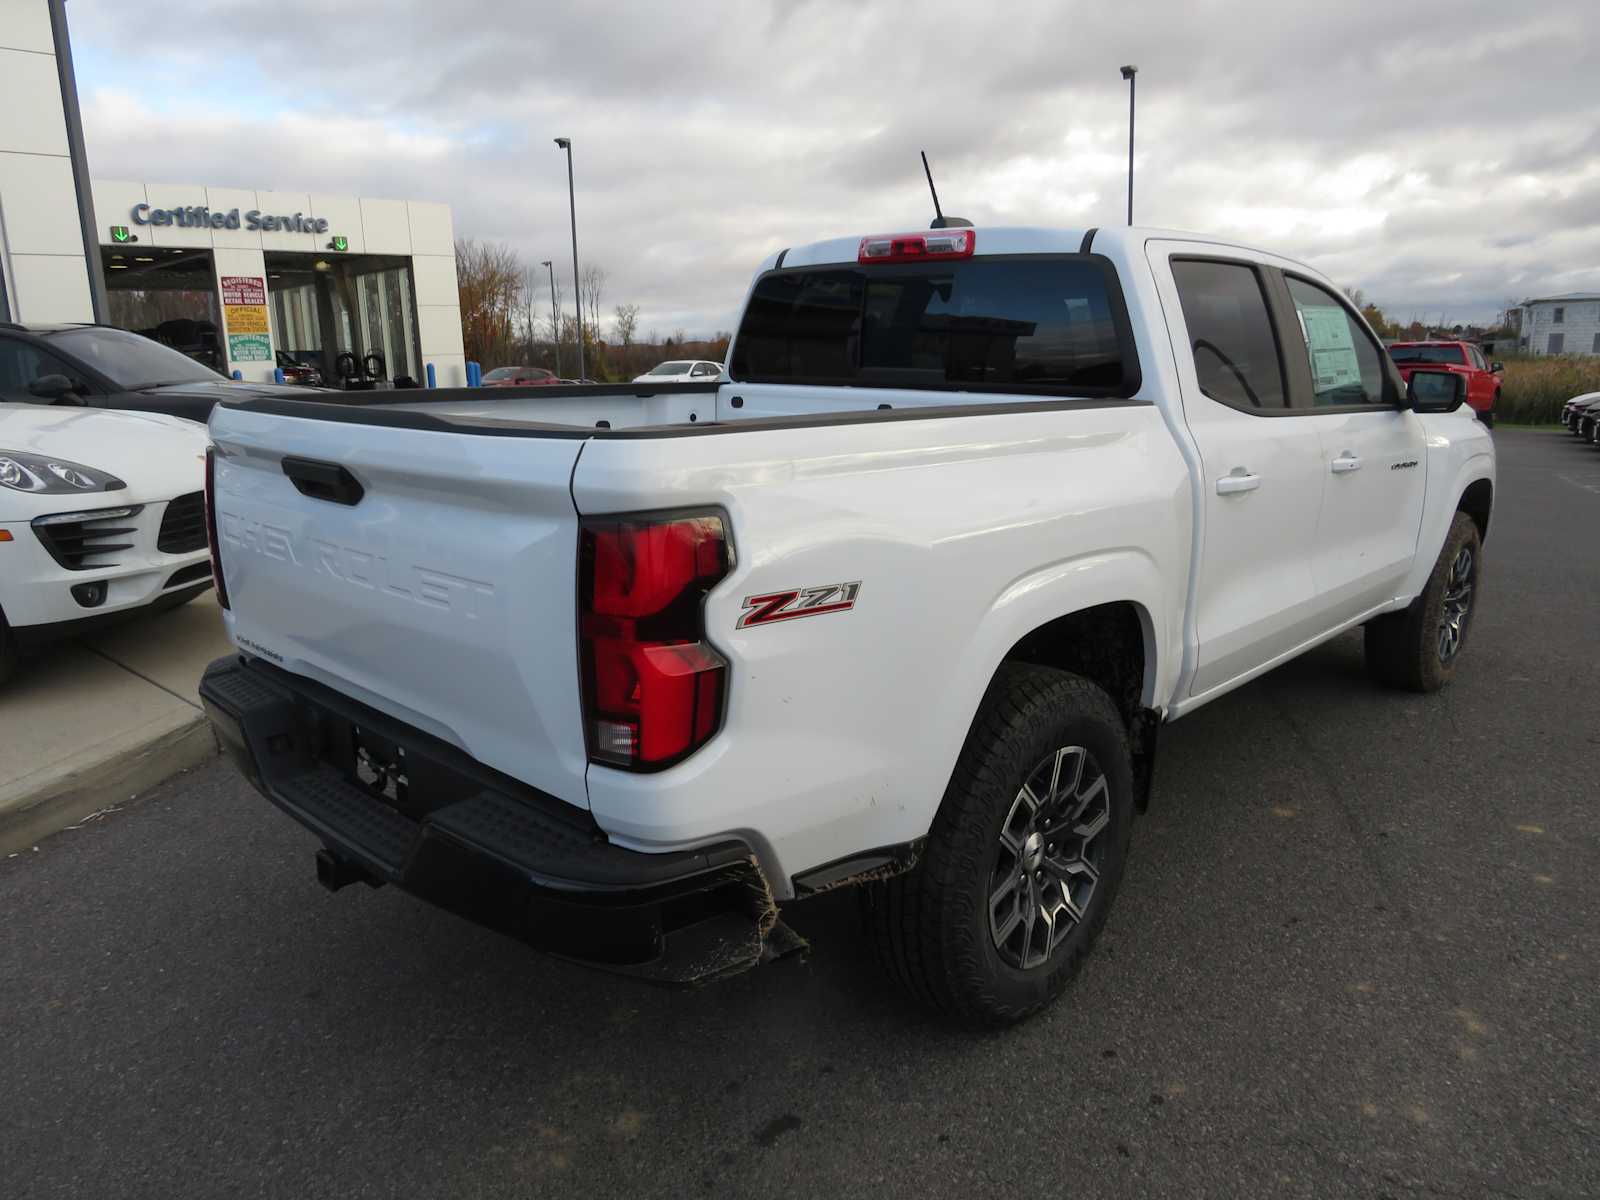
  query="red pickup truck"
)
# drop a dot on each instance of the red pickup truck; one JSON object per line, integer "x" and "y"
{"x": 1460, "y": 358}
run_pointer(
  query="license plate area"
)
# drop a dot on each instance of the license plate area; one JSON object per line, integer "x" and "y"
{"x": 392, "y": 773}
{"x": 380, "y": 767}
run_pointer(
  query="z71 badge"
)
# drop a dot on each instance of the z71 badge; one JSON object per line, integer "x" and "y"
{"x": 801, "y": 602}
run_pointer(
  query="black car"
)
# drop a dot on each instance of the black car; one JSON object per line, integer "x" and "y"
{"x": 98, "y": 366}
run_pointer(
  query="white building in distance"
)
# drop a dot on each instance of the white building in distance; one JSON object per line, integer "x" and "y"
{"x": 1561, "y": 324}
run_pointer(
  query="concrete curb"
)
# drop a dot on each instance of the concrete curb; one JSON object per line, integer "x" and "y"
{"x": 126, "y": 770}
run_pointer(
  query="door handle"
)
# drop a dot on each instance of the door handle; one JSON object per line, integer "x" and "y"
{"x": 1237, "y": 480}
{"x": 323, "y": 480}
{"x": 1346, "y": 463}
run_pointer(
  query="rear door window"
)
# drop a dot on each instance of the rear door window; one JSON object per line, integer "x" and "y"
{"x": 1230, "y": 334}
{"x": 1054, "y": 325}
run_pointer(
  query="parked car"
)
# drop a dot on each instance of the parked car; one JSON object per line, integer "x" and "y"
{"x": 519, "y": 377}
{"x": 102, "y": 516}
{"x": 97, "y": 366}
{"x": 681, "y": 371}
{"x": 901, "y": 604}
{"x": 301, "y": 374}
{"x": 1461, "y": 358}
{"x": 1574, "y": 411}
{"x": 1589, "y": 423}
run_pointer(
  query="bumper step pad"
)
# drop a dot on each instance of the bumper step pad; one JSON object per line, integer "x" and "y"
{"x": 515, "y": 860}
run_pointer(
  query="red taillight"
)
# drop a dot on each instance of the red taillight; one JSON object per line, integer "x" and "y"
{"x": 652, "y": 686}
{"x": 211, "y": 526}
{"x": 934, "y": 245}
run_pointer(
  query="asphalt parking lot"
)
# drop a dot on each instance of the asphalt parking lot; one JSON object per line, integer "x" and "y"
{"x": 1355, "y": 954}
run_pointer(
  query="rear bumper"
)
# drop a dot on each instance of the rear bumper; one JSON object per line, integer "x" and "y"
{"x": 481, "y": 844}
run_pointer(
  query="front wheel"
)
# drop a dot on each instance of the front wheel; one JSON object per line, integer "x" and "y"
{"x": 1024, "y": 857}
{"x": 1418, "y": 647}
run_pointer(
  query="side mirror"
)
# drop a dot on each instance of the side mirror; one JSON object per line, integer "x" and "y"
{"x": 54, "y": 388}
{"x": 1497, "y": 368}
{"x": 1435, "y": 391}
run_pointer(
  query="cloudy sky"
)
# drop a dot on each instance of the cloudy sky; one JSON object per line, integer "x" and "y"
{"x": 1442, "y": 157}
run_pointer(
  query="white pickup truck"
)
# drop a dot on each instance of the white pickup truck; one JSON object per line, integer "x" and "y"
{"x": 900, "y": 601}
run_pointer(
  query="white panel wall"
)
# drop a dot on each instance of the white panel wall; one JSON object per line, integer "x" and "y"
{"x": 41, "y": 246}
{"x": 286, "y": 204}
{"x": 225, "y": 200}
{"x": 386, "y": 226}
{"x": 25, "y": 25}
{"x": 431, "y": 231}
{"x": 30, "y": 99}
{"x": 173, "y": 195}
{"x": 113, "y": 201}
{"x": 49, "y": 288}
{"x": 433, "y": 272}
{"x": 343, "y": 214}
{"x": 35, "y": 227}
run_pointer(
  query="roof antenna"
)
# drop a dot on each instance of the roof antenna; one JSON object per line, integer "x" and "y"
{"x": 940, "y": 221}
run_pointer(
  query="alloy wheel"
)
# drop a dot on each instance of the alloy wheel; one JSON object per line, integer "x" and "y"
{"x": 1457, "y": 603}
{"x": 1050, "y": 853}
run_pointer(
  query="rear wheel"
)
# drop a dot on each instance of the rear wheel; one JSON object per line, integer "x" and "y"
{"x": 1417, "y": 648}
{"x": 1024, "y": 857}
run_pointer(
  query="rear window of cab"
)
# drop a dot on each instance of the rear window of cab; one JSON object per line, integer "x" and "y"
{"x": 1034, "y": 324}
{"x": 1428, "y": 354}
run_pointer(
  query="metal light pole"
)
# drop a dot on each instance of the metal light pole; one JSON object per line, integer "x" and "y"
{"x": 555, "y": 315}
{"x": 1128, "y": 72}
{"x": 577, "y": 289}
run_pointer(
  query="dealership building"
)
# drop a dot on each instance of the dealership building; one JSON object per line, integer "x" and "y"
{"x": 247, "y": 280}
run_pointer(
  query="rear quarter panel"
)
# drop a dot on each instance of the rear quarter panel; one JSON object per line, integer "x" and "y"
{"x": 965, "y": 533}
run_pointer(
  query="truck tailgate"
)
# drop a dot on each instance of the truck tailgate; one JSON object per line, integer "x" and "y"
{"x": 434, "y": 581}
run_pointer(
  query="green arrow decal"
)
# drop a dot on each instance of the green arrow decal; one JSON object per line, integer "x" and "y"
{"x": 119, "y": 233}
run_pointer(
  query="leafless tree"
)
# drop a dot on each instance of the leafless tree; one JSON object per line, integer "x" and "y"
{"x": 595, "y": 278}
{"x": 625, "y": 323}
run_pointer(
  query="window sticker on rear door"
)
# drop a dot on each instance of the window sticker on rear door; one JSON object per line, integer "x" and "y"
{"x": 1333, "y": 350}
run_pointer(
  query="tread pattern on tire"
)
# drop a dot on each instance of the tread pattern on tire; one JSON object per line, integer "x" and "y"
{"x": 915, "y": 919}
{"x": 1400, "y": 648}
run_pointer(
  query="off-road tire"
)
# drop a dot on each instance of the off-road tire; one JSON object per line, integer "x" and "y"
{"x": 931, "y": 927}
{"x": 1402, "y": 648}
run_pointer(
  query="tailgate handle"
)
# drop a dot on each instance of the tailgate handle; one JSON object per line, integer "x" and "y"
{"x": 323, "y": 481}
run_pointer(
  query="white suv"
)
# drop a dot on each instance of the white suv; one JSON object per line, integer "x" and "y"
{"x": 102, "y": 514}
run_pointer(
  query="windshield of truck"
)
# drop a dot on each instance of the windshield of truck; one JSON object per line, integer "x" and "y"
{"x": 671, "y": 368}
{"x": 1428, "y": 354}
{"x": 1053, "y": 325}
